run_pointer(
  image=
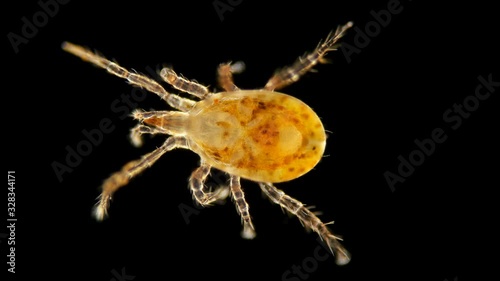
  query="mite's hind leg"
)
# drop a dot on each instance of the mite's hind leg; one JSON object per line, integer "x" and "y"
{"x": 130, "y": 170}
{"x": 242, "y": 206}
{"x": 183, "y": 84}
{"x": 225, "y": 75}
{"x": 291, "y": 74}
{"x": 133, "y": 78}
{"x": 309, "y": 220}
{"x": 197, "y": 187}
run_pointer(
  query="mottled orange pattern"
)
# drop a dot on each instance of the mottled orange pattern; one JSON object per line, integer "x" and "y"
{"x": 259, "y": 135}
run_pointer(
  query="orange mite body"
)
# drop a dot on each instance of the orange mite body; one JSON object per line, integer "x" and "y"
{"x": 259, "y": 135}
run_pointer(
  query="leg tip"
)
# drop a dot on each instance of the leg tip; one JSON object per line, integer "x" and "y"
{"x": 99, "y": 213}
{"x": 342, "y": 258}
{"x": 136, "y": 140}
{"x": 238, "y": 67}
{"x": 248, "y": 232}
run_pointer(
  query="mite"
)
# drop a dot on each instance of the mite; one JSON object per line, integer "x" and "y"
{"x": 260, "y": 135}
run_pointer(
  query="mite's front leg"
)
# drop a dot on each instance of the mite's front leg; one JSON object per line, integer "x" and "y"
{"x": 180, "y": 83}
{"x": 225, "y": 75}
{"x": 140, "y": 129}
{"x": 133, "y": 78}
{"x": 130, "y": 170}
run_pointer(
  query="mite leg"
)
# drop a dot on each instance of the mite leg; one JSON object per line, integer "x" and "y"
{"x": 133, "y": 78}
{"x": 308, "y": 219}
{"x": 291, "y": 74}
{"x": 130, "y": 170}
{"x": 183, "y": 84}
{"x": 140, "y": 129}
{"x": 225, "y": 75}
{"x": 242, "y": 206}
{"x": 197, "y": 186}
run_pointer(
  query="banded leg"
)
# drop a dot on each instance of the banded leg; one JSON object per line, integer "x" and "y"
{"x": 197, "y": 186}
{"x": 291, "y": 74}
{"x": 242, "y": 206}
{"x": 183, "y": 84}
{"x": 308, "y": 219}
{"x": 133, "y": 78}
{"x": 130, "y": 170}
{"x": 225, "y": 75}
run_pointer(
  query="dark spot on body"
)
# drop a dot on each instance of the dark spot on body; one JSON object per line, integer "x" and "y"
{"x": 251, "y": 159}
{"x": 314, "y": 148}
{"x": 289, "y": 159}
{"x": 291, "y": 169}
{"x": 305, "y": 141}
{"x": 272, "y": 166}
{"x": 305, "y": 116}
{"x": 261, "y": 105}
{"x": 222, "y": 124}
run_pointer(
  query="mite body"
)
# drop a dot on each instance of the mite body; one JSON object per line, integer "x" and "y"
{"x": 262, "y": 136}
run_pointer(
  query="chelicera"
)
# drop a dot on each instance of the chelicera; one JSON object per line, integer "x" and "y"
{"x": 260, "y": 135}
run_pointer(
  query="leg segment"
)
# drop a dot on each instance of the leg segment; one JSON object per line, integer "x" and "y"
{"x": 183, "y": 84}
{"x": 225, "y": 75}
{"x": 197, "y": 184}
{"x": 308, "y": 219}
{"x": 133, "y": 78}
{"x": 291, "y": 74}
{"x": 242, "y": 206}
{"x": 130, "y": 170}
{"x": 140, "y": 129}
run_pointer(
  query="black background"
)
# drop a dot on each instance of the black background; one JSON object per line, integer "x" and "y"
{"x": 436, "y": 225}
